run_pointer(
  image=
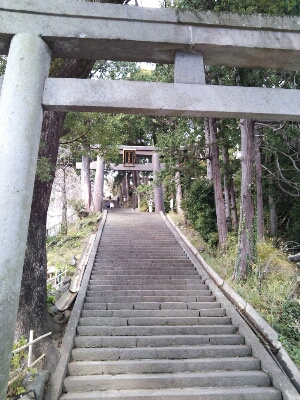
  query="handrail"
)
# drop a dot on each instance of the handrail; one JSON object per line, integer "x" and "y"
{"x": 30, "y": 343}
{"x": 29, "y": 363}
{"x": 63, "y": 273}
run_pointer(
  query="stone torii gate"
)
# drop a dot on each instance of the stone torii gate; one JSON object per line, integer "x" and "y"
{"x": 154, "y": 166}
{"x": 33, "y": 31}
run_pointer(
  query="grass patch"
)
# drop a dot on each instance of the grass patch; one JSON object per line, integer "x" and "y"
{"x": 272, "y": 289}
{"x": 62, "y": 248}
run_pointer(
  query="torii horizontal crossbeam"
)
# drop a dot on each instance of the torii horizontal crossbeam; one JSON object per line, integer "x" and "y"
{"x": 171, "y": 99}
{"x": 77, "y": 29}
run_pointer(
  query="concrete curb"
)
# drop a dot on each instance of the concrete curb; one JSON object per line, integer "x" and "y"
{"x": 248, "y": 320}
{"x": 56, "y": 380}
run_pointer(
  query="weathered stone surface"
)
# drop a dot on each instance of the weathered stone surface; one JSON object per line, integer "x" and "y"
{"x": 294, "y": 258}
{"x": 37, "y": 383}
{"x": 189, "y": 68}
{"x": 171, "y": 99}
{"x": 21, "y": 117}
{"x": 115, "y": 32}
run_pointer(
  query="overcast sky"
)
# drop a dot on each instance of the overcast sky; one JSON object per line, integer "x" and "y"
{"x": 149, "y": 3}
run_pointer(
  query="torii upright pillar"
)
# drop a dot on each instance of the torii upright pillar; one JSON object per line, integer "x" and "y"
{"x": 21, "y": 117}
{"x": 158, "y": 190}
{"x": 99, "y": 185}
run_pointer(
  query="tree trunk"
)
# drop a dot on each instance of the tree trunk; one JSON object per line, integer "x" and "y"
{"x": 210, "y": 128}
{"x": 138, "y": 182}
{"x": 259, "y": 189}
{"x": 33, "y": 312}
{"x": 227, "y": 201}
{"x": 64, "y": 214}
{"x": 135, "y": 185}
{"x": 98, "y": 186}
{"x": 246, "y": 237}
{"x": 127, "y": 186}
{"x": 229, "y": 181}
{"x": 86, "y": 183}
{"x": 235, "y": 218}
{"x": 226, "y": 188}
{"x": 207, "y": 152}
{"x": 178, "y": 193}
{"x": 273, "y": 211}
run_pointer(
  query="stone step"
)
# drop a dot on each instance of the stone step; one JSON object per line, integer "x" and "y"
{"x": 155, "y": 330}
{"x": 142, "y": 256}
{"x": 136, "y": 299}
{"x": 152, "y": 321}
{"x": 131, "y": 263}
{"x": 165, "y": 248}
{"x": 144, "y": 287}
{"x": 151, "y": 306}
{"x": 145, "y": 292}
{"x": 165, "y": 381}
{"x": 185, "y": 274}
{"x": 104, "y": 261}
{"x": 212, "y": 312}
{"x": 170, "y": 352}
{"x": 149, "y": 272}
{"x": 152, "y": 281}
{"x": 161, "y": 241}
{"x": 161, "y": 366}
{"x": 157, "y": 341}
{"x": 196, "y": 393}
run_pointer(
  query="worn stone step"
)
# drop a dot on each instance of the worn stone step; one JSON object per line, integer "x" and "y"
{"x": 151, "y": 267}
{"x": 146, "y": 286}
{"x": 137, "y": 299}
{"x": 145, "y": 292}
{"x": 196, "y": 393}
{"x": 151, "y": 321}
{"x": 145, "y": 272}
{"x": 167, "y": 249}
{"x": 157, "y": 341}
{"x": 166, "y": 381}
{"x": 140, "y": 313}
{"x": 161, "y": 366}
{"x": 152, "y": 281}
{"x": 142, "y": 257}
{"x": 173, "y": 352}
{"x": 166, "y": 266}
{"x": 184, "y": 274}
{"x": 131, "y": 263}
{"x": 151, "y": 306}
{"x": 156, "y": 330}
{"x": 218, "y": 312}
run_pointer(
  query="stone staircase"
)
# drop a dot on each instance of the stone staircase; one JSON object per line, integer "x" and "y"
{"x": 151, "y": 328}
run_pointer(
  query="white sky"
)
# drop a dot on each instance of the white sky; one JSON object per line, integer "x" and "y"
{"x": 149, "y": 3}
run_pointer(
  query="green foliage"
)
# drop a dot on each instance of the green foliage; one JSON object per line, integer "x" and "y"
{"x": 44, "y": 169}
{"x": 200, "y": 209}
{"x": 274, "y": 294}
{"x": 281, "y": 7}
{"x": 62, "y": 248}
{"x": 18, "y": 358}
{"x": 50, "y": 296}
{"x": 78, "y": 206}
{"x": 17, "y": 364}
{"x": 144, "y": 205}
{"x": 146, "y": 194}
